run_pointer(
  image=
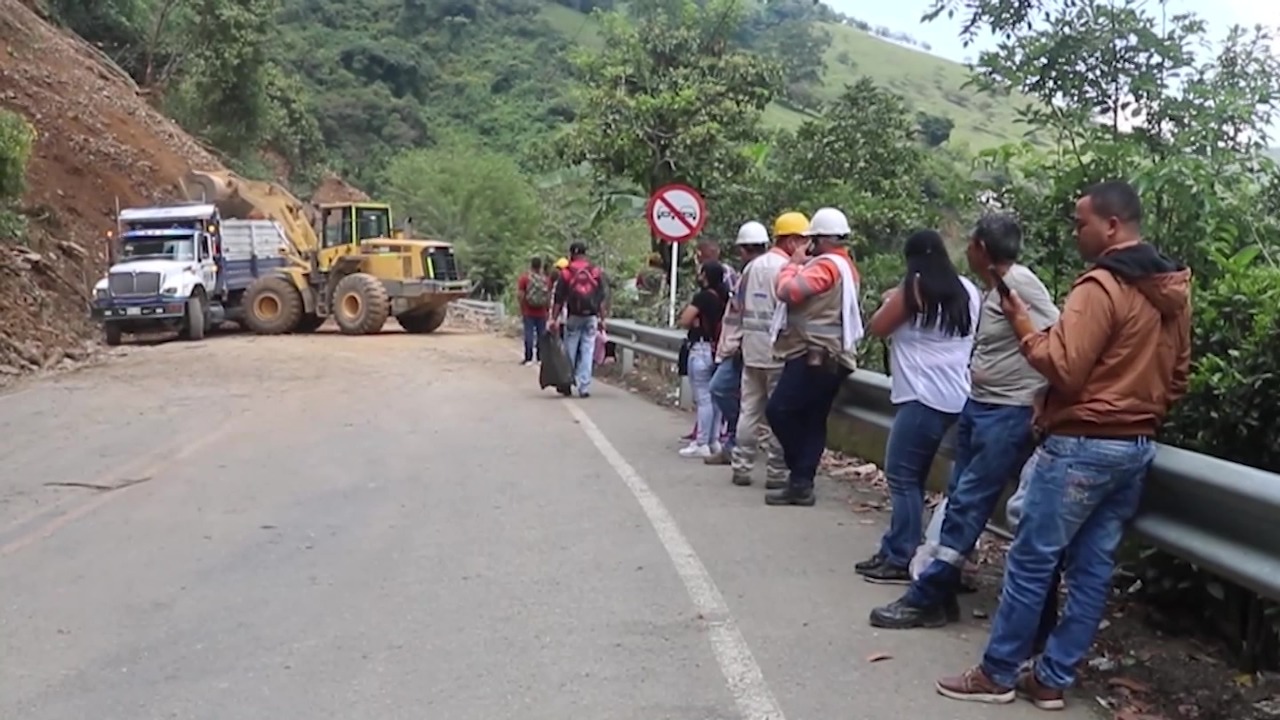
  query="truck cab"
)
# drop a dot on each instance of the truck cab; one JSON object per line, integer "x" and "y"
{"x": 164, "y": 274}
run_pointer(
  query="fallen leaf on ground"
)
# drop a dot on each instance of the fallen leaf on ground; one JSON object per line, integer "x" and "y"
{"x": 1133, "y": 714}
{"x": 877, "y": 657}
{"x": 1129, "y": 684}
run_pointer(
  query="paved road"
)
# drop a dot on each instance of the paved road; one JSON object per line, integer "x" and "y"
{"x": 403, "y": 527}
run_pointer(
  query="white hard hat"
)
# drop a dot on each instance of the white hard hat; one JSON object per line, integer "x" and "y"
{"x": 828, "y": 221}
{"x": 752, "y": 233}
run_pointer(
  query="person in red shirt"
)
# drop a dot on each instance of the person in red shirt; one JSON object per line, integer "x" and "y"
{"x": 533, "y": 290}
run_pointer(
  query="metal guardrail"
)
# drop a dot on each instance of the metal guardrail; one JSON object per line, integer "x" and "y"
{"x": 482, "y": 307}
{"x": 1221, "y": 516}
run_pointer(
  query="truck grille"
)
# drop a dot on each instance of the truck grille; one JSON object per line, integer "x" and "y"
{"x": 441, "y": 264}
{"x": 134, "y": 283}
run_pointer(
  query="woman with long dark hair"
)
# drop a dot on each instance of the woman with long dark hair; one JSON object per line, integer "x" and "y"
{"x": 703, "y": 317}
{"x": 930, "y": 318}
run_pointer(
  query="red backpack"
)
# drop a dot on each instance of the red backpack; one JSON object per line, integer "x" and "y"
{"x": 582, "y": 283}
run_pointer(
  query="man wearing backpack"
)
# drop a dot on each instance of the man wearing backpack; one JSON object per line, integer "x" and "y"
{"x": 582, "y": 294}
{"x": 533, "y": 290}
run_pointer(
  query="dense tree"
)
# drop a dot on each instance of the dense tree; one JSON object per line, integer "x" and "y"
{"x": 670, "y": 97}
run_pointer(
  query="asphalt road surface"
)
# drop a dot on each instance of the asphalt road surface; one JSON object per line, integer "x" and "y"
{"x": 397, "y": 527}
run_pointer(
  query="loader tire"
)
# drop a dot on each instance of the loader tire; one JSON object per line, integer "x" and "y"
{"x": 422, "y": 323}
{"x": 272, "y": 306}
{"x": 360, "y": 304}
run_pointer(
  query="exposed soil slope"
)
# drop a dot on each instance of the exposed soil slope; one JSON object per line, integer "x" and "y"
{"x": 98, "y": 141}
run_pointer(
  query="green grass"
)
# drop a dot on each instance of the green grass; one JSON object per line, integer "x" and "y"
{"x": 929, "y": 83}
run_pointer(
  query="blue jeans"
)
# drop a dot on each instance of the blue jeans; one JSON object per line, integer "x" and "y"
{"x": 1079, "y": 497}
{"x": 580, "y": 344}
{"x": 533, "y": 329}
{"x": 702, "y": 368}
{"x": 726, "y": 393}
{"x": 991, "y": 443}
{"x": 797, "y": 412}
{"x": 913, "y": 441}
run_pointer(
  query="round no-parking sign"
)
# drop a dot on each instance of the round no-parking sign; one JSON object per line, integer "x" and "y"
{"x": 676, "y": 213}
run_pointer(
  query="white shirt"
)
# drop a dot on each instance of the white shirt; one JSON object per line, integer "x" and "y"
{"x": 931, "y": 367}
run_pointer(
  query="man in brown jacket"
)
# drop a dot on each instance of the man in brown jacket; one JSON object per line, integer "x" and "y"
{"x": 1115, "y": 362}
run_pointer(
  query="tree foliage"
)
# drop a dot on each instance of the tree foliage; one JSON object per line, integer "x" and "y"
{"x": 670, "y": 97}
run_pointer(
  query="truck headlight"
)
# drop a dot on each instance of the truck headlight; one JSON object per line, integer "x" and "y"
{"x": 101, "y": 294}
{"x": 171, "y": 290}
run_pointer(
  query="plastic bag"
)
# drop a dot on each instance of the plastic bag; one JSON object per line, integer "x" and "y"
{"x": 932, "y": 539}
{"x": 602, "y": 343}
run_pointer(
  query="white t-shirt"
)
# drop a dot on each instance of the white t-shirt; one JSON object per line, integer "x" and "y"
{"x": 931, "y": 367}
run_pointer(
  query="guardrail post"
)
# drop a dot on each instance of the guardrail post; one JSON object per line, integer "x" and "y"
{"x": 686, "y": 393}
{"x": 628, "y": 360}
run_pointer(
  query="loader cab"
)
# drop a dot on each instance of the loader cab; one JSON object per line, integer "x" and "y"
{"x": 349, "y": 223}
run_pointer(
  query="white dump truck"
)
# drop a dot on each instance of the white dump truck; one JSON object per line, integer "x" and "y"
{"x": 184, "y": 268}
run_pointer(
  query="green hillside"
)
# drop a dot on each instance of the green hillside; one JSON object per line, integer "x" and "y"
{"x": 931, "y": 84}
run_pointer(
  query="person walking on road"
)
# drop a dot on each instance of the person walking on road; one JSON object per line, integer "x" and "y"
{"x": 931, "y": 317}
{"x": 757, "y": 370}
{"x": 815, "y": 330}
{"x": 534, "y": 293}
{"x": 1116, "y": 360}
{"x": 993, "y": 434}
{"x": 702, "y": 317}
{"x": 582, "y": 295}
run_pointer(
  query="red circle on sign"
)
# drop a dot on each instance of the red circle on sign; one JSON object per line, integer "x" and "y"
{"x": 658, "y": 202}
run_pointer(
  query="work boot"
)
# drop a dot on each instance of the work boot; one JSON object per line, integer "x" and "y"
{"x": 775, "y": 483}
{"x": 741, "y": 479}
{"x": 871, "y": 562}
{"x": 791, "y": 496}
{"x": 900, "y": 615}
{"x": 886, "y": 574}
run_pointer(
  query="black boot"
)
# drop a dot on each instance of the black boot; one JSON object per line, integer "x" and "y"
{"x": 790, "y": 496}
{"x": 898, "y": 615}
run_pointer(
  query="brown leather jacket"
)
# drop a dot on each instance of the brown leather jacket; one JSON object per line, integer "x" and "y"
{"x": 1120, "y": 355}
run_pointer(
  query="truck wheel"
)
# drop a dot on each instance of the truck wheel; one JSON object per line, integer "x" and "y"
{"x": 309, "y": 324}
{"x": 112, "y": 333}
{"x": 272, "y": 306}
{"x": 193, "y": 324}
{"x": 360, "y": 304}
{"x": 421, "y": 323}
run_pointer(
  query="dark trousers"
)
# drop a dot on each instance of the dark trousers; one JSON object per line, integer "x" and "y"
{"x": 533, "y": 329}
{"x": 797, "y": 414}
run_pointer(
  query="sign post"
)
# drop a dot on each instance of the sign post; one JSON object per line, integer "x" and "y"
{"x": 676, "y": 213}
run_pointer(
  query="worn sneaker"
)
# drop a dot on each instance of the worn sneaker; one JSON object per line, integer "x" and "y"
{"x": 974, "y": 686}
{"x": 1040, "y": 695}
{"x": 694, "y": 450}
{"x": 720, "y": 458}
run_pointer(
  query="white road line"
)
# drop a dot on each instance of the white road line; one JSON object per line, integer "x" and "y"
{"x": 746, "y": 683}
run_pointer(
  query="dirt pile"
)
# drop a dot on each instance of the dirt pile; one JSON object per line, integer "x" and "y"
{"x": 99, "y": 142}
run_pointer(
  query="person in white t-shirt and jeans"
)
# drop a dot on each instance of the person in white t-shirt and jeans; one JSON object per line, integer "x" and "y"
{"x": 930, "y": 320}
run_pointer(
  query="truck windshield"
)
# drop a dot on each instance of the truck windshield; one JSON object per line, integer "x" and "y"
{"x": 168, "y": 248}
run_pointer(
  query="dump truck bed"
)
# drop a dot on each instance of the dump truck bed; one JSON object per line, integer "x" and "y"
{"x": 251, "y": 248}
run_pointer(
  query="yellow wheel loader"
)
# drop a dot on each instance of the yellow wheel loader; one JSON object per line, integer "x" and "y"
{"x": 344, "y": 261}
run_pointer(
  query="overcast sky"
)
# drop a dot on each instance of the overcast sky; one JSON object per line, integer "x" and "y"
{"x": 904, "y": 16}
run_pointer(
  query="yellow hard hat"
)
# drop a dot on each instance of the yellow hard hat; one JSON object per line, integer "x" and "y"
{"x": 790, "y": 223}
{"x": 562, "y": 263}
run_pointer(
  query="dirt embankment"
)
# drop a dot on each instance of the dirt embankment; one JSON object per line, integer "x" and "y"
{"x": 98, "y": 142}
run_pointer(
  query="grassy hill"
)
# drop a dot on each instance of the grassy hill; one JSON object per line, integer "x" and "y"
{"x": 930, "y": 83}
